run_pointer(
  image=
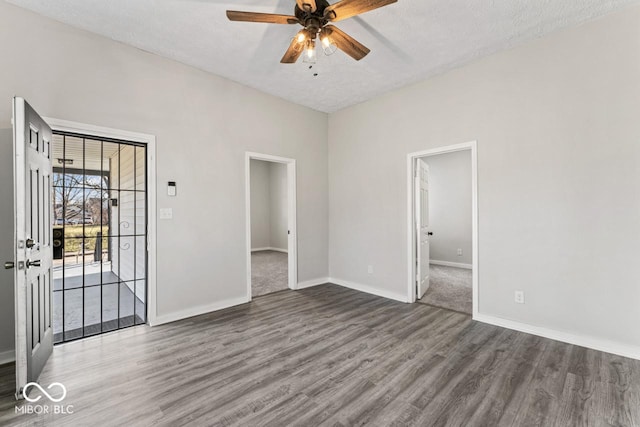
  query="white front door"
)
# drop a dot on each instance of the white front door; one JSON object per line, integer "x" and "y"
{"x": 422, "y": 227}
{"x": 33, "y": 251}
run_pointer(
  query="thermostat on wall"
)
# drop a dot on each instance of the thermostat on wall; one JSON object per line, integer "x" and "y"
{"x": 171, "y": 188}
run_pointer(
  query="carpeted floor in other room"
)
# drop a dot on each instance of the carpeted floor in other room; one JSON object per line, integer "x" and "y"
{"x": 269, "y": 272}
{"x": 449, "y": 288}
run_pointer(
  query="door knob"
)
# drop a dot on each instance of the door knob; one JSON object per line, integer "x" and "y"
{"x": 33, "y": 263}
{"x": 30, "y": 243}
{"x": 9, "y": 265}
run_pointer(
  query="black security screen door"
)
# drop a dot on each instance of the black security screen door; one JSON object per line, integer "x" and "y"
{"x": 99, "y": 235}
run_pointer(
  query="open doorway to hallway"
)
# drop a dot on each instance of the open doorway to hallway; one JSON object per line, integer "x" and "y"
{"x": 99, "y": 235}
{"x": 449, "y": 231}
{"x": 269, "y": 232}
{"x": 443, "y": 234}
{"x": 271, "y": 215}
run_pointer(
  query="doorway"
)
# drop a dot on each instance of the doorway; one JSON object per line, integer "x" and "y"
{"x": 271, "y": 224}
{"x": 100, "y": 227}
{"x": 442, "y": 232}
{"x": 78, "y": 203}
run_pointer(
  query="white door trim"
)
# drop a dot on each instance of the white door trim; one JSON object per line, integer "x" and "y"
{"x": 150, "y": 141}
{"x": 411, "y": 235}
{"x": 291, "y": 214}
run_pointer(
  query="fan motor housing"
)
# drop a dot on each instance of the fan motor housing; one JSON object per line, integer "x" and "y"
{"x": 303, "y": 16}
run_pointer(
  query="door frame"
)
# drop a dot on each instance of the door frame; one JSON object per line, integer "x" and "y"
{"x": 411, "y": 231}
{"x": 150, "y": 142}
{"x": 292, "y": 249}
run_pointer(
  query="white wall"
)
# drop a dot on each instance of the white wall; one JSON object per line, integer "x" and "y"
{"x": 204, "y": 125}
{"x": 7, "y": 331}
{"x": 260, "y": 205}
{"x": 450, "y": 206}
{"x": 278, "y": 215}
{"x": 269, "y": 223}
{"x": 558, "y": 131}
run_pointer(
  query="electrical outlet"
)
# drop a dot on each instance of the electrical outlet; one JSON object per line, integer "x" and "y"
{"x": 459, "y": 252}
{"x": 370, "y": 269}
{"x": 519, "y": 297}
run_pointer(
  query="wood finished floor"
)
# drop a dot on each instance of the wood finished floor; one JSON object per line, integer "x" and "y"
{"x": 336, "y": 357}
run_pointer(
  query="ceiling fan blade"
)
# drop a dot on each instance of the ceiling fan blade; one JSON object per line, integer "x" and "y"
{"x": 268, "y": 18}
{"x": 295, "y": 49}
{"x": 307, "y": 5}
{"x": 346, "y": 43}
{"x": 347, "y": 8}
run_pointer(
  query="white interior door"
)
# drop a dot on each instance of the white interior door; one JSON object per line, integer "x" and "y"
{"x": 422, "y": 227}
{"x": 33, "y": 250}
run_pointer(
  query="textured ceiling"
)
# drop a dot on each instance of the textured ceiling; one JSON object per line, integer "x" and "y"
{"x": 409, "y": 40}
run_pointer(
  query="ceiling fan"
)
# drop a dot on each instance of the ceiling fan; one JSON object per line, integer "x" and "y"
{"x": 315, "y": 16}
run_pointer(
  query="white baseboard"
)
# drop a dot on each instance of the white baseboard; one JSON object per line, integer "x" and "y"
{"x": 620, "y": 349}
{"x": 196, "y": 311}
{"x": 451, "y": 264}
{"x": 7, "y": 356}
{"x": 270, "y": 249}
{"x": 313, "y": 282}
{"x": 369, "y": 289}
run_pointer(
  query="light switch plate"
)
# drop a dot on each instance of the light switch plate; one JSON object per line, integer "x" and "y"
{"x": 166, "y": 213}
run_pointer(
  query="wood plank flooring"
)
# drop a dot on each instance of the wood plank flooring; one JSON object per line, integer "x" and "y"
{"x": 331, "y": 356}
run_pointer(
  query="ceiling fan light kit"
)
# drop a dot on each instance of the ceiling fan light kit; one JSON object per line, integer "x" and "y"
{"x": 310, "y": 52}
{"x": 315, "y": 16}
